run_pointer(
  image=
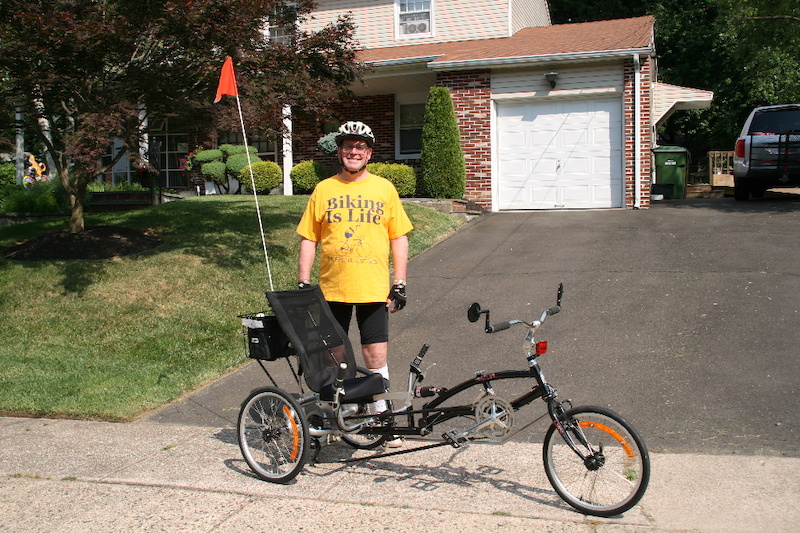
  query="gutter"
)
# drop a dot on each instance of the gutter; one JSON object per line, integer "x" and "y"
{"x": 402, "y": 62}
{"x": 467, "y": 64}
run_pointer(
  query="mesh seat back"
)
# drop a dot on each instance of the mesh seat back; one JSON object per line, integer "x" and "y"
{"x": 319, "y": 340}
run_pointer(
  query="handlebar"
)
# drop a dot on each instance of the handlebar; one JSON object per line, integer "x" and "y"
{"x": 474, "y": 312}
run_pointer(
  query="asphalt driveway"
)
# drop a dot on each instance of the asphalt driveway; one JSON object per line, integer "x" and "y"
{"x": 683, "y": 317}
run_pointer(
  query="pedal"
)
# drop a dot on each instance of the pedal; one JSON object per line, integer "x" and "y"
{"x": 454, "y": 438}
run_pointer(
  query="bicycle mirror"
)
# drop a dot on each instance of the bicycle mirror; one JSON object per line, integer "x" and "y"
{"x": 474, "y": 312}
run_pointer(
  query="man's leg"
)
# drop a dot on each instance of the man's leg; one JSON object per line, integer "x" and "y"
{"x": 373, "y": 324}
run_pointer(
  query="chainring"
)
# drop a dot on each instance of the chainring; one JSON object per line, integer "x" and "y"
{"x": 493, "y": 406}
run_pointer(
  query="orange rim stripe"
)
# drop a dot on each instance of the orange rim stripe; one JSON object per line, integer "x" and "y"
{"x": 617, "y": 436}
{"x": 295, "y": 433}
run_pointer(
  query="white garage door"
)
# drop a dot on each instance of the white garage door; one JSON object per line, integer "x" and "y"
{"x": 560, "y": 154}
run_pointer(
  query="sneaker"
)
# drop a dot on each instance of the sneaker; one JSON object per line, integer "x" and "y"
{"x": 394, "y": 442}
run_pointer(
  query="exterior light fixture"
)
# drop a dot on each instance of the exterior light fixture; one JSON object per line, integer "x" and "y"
{"x": 552, "y": 76}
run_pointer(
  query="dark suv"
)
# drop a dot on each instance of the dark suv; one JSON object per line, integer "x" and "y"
{"x": 767, "y": 152}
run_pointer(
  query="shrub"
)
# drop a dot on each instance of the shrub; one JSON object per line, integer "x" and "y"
{"x": 213, "y": 171}
{"x": 228, "y": 160}
{"x": 235, "y": 163}
{"x": 306, "y": 174}
{"x": 41, "y": 198}
{"x": 206, "y": 156}
{"x": 444, "y": 173}
{"x": 402, "y": 176}
{"x": 266, "y": 174}
{"x": 233, "y": 149}
{"x": 121, "y": 186}
{"x": 327, "y": 143}
{"x": 8, "y": 174}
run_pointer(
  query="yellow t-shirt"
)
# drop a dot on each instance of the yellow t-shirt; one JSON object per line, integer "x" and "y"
{"x": 353, "y": 223}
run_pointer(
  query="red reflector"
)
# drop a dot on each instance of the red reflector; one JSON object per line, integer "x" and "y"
{"x": 541, "y": 347}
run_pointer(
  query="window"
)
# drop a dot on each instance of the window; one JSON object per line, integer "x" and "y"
{"x": 279, "y": 35}
{"x": 279, "y": 30}
{"x": 266, "y": 146}
{"x": 169, "y": 142}
{"x": 409, "y": 130}
{"x": 414, "y": 19}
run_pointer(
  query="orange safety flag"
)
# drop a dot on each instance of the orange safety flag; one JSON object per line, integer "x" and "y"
{"x": 227, "y": 81}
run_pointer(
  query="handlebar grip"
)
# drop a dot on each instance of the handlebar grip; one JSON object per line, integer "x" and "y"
{"x": 498, "y": 327}
{"x": 420, "y": 355}
{"x": 340, "y": 376}
{"x": 554, "y": 310}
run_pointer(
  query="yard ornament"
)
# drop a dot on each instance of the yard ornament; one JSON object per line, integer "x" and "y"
{"x": 35, "y": 173}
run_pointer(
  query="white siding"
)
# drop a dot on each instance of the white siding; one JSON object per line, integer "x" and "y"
{"x": 527, "y": 13}
{"x": 454, "y": 20}
{"x": 584, "y": 79}
{"x": 461, "y": 20}
{"x": 374, "y": 20}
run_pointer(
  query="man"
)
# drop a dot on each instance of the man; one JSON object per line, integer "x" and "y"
{"x": 356, "y": 219}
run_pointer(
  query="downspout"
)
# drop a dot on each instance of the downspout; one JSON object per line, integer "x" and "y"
{"x": 637, "y": 89}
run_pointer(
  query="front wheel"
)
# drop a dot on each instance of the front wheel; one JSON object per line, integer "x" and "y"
{"x": 613, "y": 473}
{"x": 273, "y": 435}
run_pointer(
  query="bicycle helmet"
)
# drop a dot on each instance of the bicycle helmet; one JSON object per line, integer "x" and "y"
{"x": 357, "y": 130}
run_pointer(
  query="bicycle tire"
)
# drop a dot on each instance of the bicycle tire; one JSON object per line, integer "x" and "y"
{"x": 621, "y": 478}
{"x": 273, "y": 435}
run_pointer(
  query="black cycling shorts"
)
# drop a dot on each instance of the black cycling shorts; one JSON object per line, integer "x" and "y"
{"x": 372, "y": 320}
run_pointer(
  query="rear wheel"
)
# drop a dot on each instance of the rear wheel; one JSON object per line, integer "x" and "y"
{"x": 614, "y": 473}
{"x": 273, "y": 435}
{"x": 741, "y": 189}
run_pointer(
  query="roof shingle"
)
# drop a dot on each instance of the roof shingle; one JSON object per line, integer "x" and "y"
{"x": 599, "y": 36}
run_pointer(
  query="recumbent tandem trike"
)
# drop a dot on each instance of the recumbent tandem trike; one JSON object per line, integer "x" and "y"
{"x": 594, "y": 459}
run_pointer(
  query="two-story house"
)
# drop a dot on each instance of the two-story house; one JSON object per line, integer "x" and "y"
{"x": 551, "y": 116}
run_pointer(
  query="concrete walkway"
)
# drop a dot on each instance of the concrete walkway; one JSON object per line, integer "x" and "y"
{"x": 82, "y": 476}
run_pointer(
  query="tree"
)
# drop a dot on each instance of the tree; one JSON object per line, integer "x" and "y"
{"x": 566, "y": 11}
{"x": 88, "y": 71}
{"x": 743, "y": 50}
{"x": 444, "y": 172}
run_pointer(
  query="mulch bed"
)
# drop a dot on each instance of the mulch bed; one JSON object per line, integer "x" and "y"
{"x": 97, "y": 242}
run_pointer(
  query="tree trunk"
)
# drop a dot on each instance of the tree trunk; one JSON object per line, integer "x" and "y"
{"x": 76, "y": 223}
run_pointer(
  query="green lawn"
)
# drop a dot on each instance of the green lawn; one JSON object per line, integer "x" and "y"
{"x": 113, "y": 339}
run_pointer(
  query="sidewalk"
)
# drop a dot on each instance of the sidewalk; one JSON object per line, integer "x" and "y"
{"x": 79, "y": 476}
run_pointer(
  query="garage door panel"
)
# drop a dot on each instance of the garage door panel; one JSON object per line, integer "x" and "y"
{"x": 572, "y": 153}
{"x": 515, "y": 139}
{"x": 576, "y": 194}
{"x": 580, "y": 165}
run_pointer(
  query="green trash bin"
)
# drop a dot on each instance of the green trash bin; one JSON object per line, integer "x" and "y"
{"x": 672, "y": 168}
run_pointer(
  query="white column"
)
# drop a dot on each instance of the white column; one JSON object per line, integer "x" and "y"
{"x": 20, "y": 155}
{"x": 288, "y": 156}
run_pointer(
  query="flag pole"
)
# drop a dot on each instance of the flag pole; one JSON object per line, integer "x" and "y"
{"x": 227, "y": 85}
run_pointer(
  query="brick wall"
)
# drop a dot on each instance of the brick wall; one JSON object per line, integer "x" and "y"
{"x": 377, "y": 112}
{"x": 645, "y": 133}
{"x": 471, "y": 92}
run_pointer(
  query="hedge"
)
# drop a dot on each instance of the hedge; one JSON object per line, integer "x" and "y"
{"x": 266, "y": 174}
{"x": 402, "y": 176}
{"x": 306, "y": 174}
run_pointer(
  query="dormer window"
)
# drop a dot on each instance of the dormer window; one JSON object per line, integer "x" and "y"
{"x": 414, "y": 19}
